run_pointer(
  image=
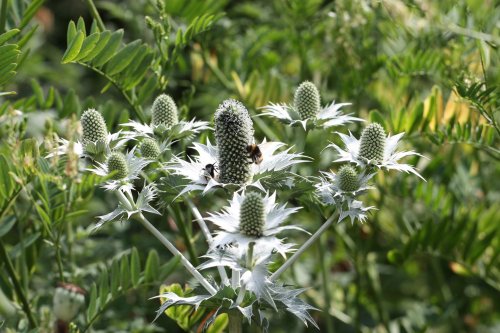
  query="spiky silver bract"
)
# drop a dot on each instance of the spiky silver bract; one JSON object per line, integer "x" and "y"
{"x": 352, "y": 151}
{"x": 150, "y": 149}
{"x": 372, "y": 143}
{"x": 229, "y": 223}
{"x": 306, "y": 100}
{"x": 117, "y": 165}
{"x": 93, "y": 126}
{"x": 252, "y": 217}
{"x": 307, "y": 112}
{"x": 142, "y": 204}
{"x": 164, "y": 111}
{"x": 233, "y": 134}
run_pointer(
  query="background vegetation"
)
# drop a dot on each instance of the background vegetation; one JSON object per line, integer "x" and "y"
{"x": 427, "y": 260}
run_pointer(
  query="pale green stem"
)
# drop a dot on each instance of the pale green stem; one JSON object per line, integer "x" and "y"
{"x": 303, "y": 248}
{"x": 235, "y": 278}
{"x": 241, "y": 295}
{"x": 208, "y": 236}
{"x": 196, "y": 274}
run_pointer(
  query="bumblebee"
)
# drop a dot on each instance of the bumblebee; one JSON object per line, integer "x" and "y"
{"x": 254, "y": 153}
{"x": 210, "y": 171}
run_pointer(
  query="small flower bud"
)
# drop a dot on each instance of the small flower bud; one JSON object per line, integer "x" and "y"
{"x": 307, "y": 100}
{"x": 150, "y": 149}
{"x": 164, "y": 111}
{"x": 347, "y": 178}
{"x": 252, "y": 218}
{"x": 117, "y": 162}
{"x": 372, "y": 145}
{"x": 94, "y": 126}
{"x": 68, "y": 298}
{"x": 233, "y": 133}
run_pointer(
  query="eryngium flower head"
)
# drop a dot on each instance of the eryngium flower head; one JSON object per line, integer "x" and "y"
{"x": 233, "y": 133}
{"x": 117, "y": 165}
{"x": 234, "y": 230}
{"x": 348, "y": 178}
{"x": 68, "y": 299}
{"x": 94, "y": 126}
{"x": 372, "y": 145}
{"x": 150, "y": 149}
{"x": 164, "y": 111}
{"x": 306, "y": 100}
{"x": 252, "y": 218}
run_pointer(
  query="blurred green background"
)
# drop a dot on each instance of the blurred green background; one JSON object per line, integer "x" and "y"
{"x": 426, "y": 261}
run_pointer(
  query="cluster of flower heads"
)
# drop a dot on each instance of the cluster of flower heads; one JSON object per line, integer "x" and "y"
{"x": 248, "y": 230}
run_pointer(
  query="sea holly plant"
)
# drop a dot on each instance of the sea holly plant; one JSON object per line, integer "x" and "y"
{"x": 246, "y": 236}
{"x": 307, "y": 111}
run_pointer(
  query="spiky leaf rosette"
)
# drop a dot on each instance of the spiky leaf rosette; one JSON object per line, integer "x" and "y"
{"x": 233, "y": 133}
{"x": 307, "y": 101}
{"x": 164, "y": 111}
{"x": 348, "y": 178}
{"x": 150, "y": 149}
{"x": 94, "y": 126}
{"x": 252, "y": 217}
{"x": 372, "y": 144}
{"x": 117, "y": 162}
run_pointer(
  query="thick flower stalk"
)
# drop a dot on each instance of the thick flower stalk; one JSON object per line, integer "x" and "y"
{"x": 233, "y": 134}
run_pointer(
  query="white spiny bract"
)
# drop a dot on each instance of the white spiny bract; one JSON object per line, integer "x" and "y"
{"x": 233, "y": 134}
{"x": 96, "y": 143}
{"x": 194, "y": 169}
{"x": 306, "y": 110}
{"x": 165, "y": 125}
{"x": 230, "y": 224}
{"x": 376, "y": 150}
{"x": 142, "y": 204}
{"x": 126, "y": 174}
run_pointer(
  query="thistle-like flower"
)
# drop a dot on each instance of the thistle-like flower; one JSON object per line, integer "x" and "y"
{"x": 251, "y": 218}
{"x": 165, "y": 124}
{"x": 241, "y": 163}
{"x": 374, "y": 149}
{"x": 124, "y": 169}
{"x": 96, "y": 143}
{"x": 307, "y": 112}
{"x": 341, "y": 190}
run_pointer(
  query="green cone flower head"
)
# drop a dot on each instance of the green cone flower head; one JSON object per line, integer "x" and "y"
{"x": 347, "y": 178}
{"x": 150, "y": 149}
{"x": 372, "y": 145}
{"x": 233, "y": 133}
{"x": 307, "y": 100}
{"x": 252, "y": 217}
{"x": 164, "y": 111}
{"x": 117, "y": 162}
{"x": 94, "y": 126}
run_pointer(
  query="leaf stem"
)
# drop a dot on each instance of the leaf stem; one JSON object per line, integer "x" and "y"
{"x": 17, "y": 285}
{"x": 95, "y": 14}
{"x": 304, "y": 247}
{"x": 3, "y": 15}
